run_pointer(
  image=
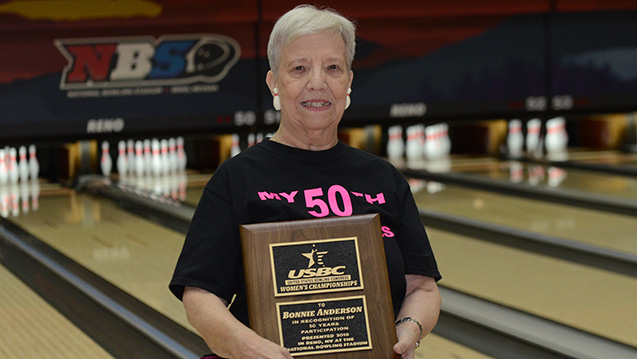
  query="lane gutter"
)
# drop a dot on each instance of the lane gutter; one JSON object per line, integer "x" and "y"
{"x": 559, "y": 195}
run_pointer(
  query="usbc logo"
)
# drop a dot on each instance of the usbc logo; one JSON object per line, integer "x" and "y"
{"x": 323, "y": 265}
{"x": 315, "y": 258}
{"x": 134, "y": 61}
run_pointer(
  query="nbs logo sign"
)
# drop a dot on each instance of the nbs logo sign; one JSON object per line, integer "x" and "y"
{"x": 135, "y": 62}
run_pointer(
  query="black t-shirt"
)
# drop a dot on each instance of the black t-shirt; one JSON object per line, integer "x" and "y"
{"x": 271, "y": 182}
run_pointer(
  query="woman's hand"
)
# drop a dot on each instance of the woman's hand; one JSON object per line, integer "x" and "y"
{"x": 256, "y": 347}
{"x": 422, "y": 306}
{"x": 408, "y": 335}
{"x": 224, "y": 334}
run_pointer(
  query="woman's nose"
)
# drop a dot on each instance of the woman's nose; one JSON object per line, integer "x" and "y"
{"x": 317, "y": 79}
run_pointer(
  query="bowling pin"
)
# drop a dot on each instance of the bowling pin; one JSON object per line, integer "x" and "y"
{"x": 413, "y": 149}
{"x": 106, "y": 163}
{"x": 430, "y": 143}
{"x": 148, "y": 158}
{"x": 140, "y": 164}
{"x": 420, "y": 139}
{"x": 515, "y": 139}
{"x": 395, "y": 144}
{"x": 235, "y": 149}
{"x": 165, "y": 162}
{"x": 533, "y": 128}
{"x": 130, "y": 157}
{"x": 4, "y": 201}
{"x": 122, "y": 159}
{"x": 4, "y": 171}
{"x": 23, "y": 166}
{"x": 13, "y": 166}
{"x": 445, "y": 139}
{"x": 562, "y": 134}
{"x": 34, "y": 165}
{"x": 172, "y": 154}
{"x": 181, "y": 154}
{"x": 156, "y": 157}
{"x": 440, "y": 147}
{"x": 552, "y": 138}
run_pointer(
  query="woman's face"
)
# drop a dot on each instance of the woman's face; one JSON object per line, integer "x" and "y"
{"x": 312, "y": 80}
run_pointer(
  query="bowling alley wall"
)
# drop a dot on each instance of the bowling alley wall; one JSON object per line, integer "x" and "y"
{"x": 110, "y": 70}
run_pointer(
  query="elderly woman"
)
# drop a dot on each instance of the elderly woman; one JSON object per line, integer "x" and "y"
{"x": 302, "y": 172}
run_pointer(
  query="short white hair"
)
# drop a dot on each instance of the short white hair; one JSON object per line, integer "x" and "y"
{"x": 308, "y": 20}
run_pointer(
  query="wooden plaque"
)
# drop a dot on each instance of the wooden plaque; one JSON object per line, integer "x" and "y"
{"x": 319, "y": 287}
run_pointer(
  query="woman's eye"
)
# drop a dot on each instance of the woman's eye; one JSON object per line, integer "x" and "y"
{"x": 299, "y": 68}
{"x": 333, "y": 67}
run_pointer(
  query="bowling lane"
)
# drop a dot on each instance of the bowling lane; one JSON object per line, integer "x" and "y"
{"x": 610, "y": 185}
{"x": 604, "y": 157}
{"x": 196, "y": 183}
{"x": 596, "y": 301}
{"x": 603, "y": 229}
{"x": 198, "y": 180}
{"x": 436, "y": 347}
{"x": 31, "y": 328}
{"x": 139, "y": 256}
{"x": 136, "y": 255}
{"x": 192, "y": 196}
{"x": 193, "y": 193}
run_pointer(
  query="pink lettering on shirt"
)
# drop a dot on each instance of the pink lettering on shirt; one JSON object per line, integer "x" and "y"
{"x": 387, "y": 232}
{"x": 380, "y": 198}
{"x": 336, "y": 201}
{"x": 264, "y": 196}
{"x": 289, "y": 197}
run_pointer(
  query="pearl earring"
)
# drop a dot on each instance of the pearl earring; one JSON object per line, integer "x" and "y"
{"x": 276, "y": 101}
{"x": 348, "y": 101}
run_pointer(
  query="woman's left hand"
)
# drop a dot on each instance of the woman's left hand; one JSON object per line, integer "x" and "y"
{"x": 408, "y": 334}
{"x": 419, "y": 313}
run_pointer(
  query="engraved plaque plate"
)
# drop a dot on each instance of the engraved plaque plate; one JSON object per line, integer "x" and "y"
{"x": 316, "y": 266}
{"x": 324, "y": 326}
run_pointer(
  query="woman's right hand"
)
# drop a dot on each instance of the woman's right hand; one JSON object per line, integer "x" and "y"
{"x": 225, "y": 335}
{"x": 256, "y": 347}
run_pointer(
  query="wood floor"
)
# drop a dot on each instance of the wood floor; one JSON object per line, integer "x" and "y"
{"x": 598, "y": 228}
{"x": 590, "y": 299}
{"x": 31, "y": 328}
{"x": 135, "y": 254}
